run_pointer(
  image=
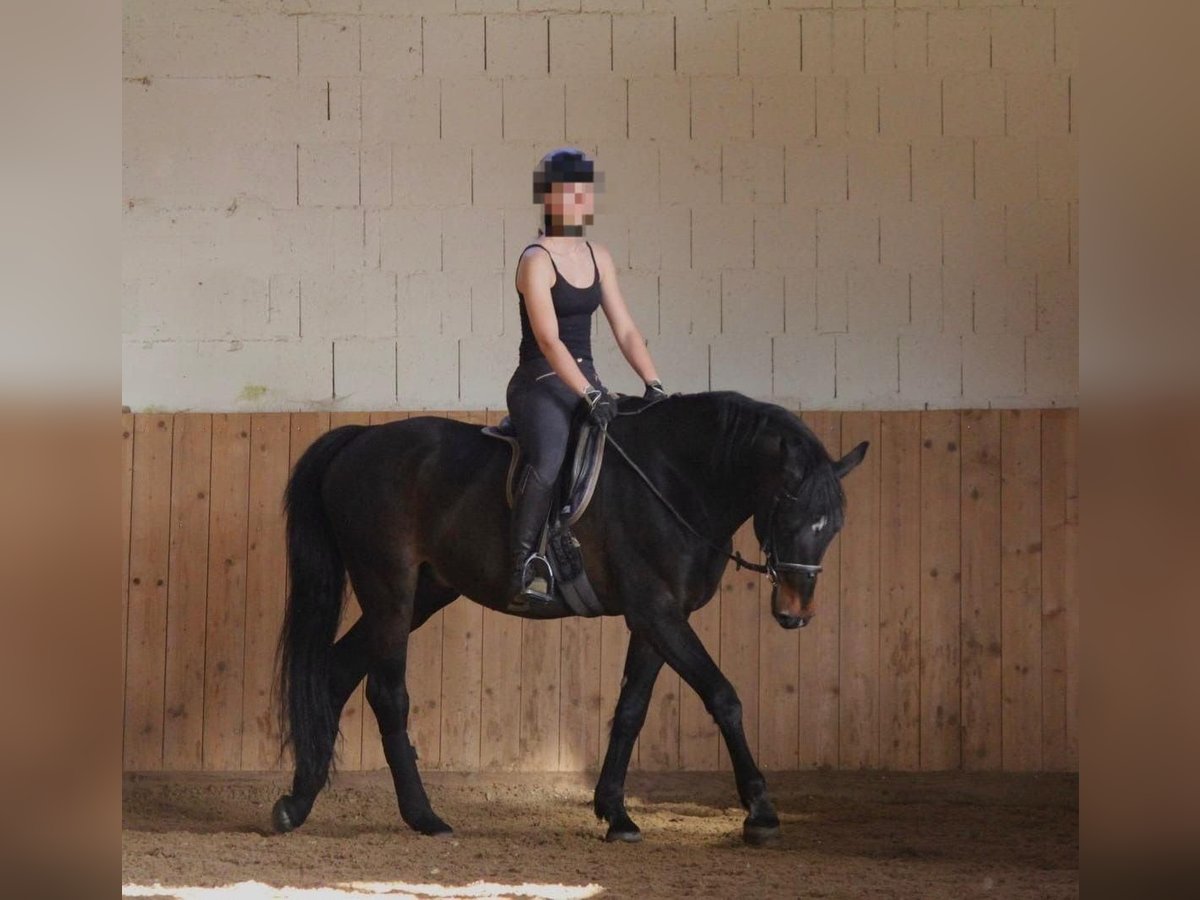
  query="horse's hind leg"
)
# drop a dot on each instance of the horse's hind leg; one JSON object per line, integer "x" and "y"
{"x": 349, "y": 665}
{"x": 351, "y": 654}
{"x": 642, "y": 665}
{"x": 388, "y": 696}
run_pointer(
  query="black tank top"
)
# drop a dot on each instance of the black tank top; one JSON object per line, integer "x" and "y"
{"x": 573, "y": 307}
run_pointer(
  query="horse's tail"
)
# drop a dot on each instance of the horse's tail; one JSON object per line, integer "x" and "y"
{"x": 317, "y": 581}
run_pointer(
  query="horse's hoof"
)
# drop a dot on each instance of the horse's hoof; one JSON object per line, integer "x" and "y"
{"x": 434, "y": 827}
{"x": 759, "y": 835}
{"x": 623, "y": 835}
{"x": 282, "y": 817}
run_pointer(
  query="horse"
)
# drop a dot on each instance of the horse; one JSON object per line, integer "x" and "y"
{"x": 414, "y": 512}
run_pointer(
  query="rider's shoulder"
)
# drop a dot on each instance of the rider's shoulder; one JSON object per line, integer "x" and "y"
{"x": 536, "y": 252}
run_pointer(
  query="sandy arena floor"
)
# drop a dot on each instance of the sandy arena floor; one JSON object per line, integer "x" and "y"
{"x": 844, "y": 835}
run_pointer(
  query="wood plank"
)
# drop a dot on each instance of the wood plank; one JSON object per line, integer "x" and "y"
{"x": 859, "y": 676}
{"x": 778, "y": 685}
{"x": 739, "y": 636}
{"x": 372, "y": 748}
{"x": 1055, "y": 755}
{"x": 462, "y": 670}
{"x": 462, "y": 677}
{"x": 187, "y": 590}
{"x": 614, "y": 644}
{"x": 981, "y": 608}
{"x": 423, "y": 676}
{"x": 224, "y": 655}
{"x": 900, "y": 590}
{"x": 1021, "y": 604}
{"x": 699, "y": 738}
{"x": 819, "y": 714}
{"x": 579, "y": 714}
{"x": 941, "y": 589}
{"x": 149, "y": 551}
{"x": 1071, "y": 587}
{"x": 266, "y": 585}
{"x": 541, "y": 651}
{"x": 127, "y": 426}
{"x": 500, "y": 741}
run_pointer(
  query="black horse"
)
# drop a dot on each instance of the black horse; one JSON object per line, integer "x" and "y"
{"x": 415, "y": 511}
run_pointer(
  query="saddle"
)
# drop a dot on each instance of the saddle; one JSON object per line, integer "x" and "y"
{"x": 573, "y": 492}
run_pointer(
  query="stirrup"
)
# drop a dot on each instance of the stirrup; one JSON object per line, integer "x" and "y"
{"x": 540, "y": 587}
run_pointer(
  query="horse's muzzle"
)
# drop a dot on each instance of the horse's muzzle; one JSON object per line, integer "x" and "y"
{"x": 791, "y": 622}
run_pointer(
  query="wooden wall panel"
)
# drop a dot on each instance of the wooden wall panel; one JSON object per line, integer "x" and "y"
{"x": 1071, "y": 585}
{"x": 858, "y": 693}
{"x": 226, "y": 716}
{"x": 580, "y": 713}
{"x": 541, "y": 651}
{"x": 820, "y": 647}
{"x": 976, "y": 666}
{"x": 187, "y": 593}
{"x": 1055, "y": 753}
{"x": 127, "y": 426}
{"x": 1021, "y": 603}
{"x": 899, "y": 590}
{"x": 266, "y": 584}
{"x": 941, "y": 594}
{"x": 981, "y": 617}
{"x": 149, "y": 551}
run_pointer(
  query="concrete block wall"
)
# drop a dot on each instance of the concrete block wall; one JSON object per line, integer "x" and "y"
{"x": 824, "y": 203}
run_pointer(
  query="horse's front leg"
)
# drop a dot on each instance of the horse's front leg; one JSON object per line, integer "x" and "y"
{"x": 642, "y": 664}
{"x": 675, "y": 641}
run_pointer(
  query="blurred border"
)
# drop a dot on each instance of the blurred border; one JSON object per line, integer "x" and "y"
{"x": 60, "y": 269}
{"x": 1140, "y": 424}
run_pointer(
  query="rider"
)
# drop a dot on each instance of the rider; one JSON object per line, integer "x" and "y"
{"x": 556, "y": 374}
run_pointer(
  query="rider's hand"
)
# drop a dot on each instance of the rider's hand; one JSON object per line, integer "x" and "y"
{"x": 602, "y": 406}
{"x": 654, "y": 390}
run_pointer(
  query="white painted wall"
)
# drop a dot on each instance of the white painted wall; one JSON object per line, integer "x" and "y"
{"x": 838, "y": 204}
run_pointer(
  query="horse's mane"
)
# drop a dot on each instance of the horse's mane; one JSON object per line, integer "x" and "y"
{"x": 810, "y": 477}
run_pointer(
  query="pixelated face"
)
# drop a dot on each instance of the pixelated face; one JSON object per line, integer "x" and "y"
{"x": 571, "y": 203}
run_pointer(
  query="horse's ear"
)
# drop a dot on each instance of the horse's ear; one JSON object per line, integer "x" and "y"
{"x": 847, "y": 463}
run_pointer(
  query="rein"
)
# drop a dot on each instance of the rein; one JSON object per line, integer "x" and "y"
{"x": 772, "y": 566}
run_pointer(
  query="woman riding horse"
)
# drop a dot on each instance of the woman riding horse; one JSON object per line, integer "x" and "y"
{"x": 556, "y": 373}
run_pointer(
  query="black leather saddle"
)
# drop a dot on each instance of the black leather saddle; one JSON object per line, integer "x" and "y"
{"x": 576, "y": 483}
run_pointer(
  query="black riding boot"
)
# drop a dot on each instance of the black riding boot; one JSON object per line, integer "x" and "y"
{"x": 530, "y": 577}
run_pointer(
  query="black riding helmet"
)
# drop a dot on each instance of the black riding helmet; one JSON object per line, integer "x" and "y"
{"x": 564, "y": 165}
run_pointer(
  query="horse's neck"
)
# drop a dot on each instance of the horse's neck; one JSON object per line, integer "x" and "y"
{"x": 725, "y": 486}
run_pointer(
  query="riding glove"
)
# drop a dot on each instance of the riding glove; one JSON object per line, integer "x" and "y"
{"x": 602, "y": 406}
{"x": 654, "y": 390}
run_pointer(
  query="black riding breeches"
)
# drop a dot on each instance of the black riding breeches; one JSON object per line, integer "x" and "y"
{"x": 541, "y": 407}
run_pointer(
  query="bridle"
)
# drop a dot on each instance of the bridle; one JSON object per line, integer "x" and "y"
{"x": 771, "y": 568}
{"x": 773, "y": 565}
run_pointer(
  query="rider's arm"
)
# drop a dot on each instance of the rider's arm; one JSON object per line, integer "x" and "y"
{"x": 629, "y": 339}
{"x": 535, "y": 275}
